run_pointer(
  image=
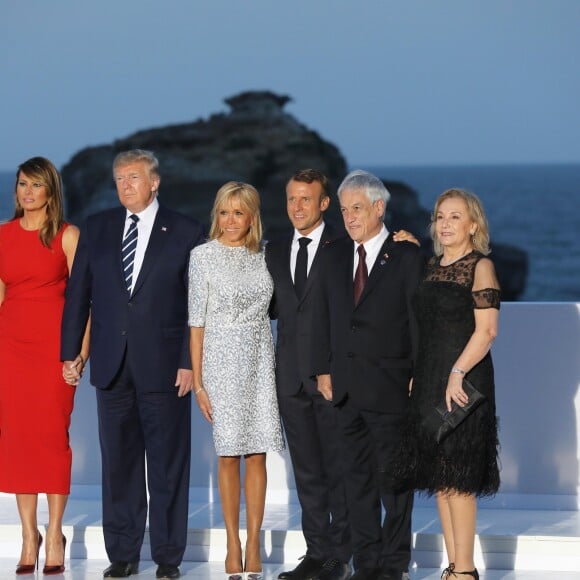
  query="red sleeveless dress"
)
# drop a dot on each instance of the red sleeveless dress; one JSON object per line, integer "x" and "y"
{"x": 35, "y": 401}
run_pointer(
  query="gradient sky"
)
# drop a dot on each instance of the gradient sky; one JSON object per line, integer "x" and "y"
{"x": 389, "y": 82}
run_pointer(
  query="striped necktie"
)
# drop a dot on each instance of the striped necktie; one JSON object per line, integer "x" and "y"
{"x": 128, "y": 251}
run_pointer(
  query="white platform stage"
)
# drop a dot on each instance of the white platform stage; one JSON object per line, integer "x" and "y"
{"x": 532, "y": 526}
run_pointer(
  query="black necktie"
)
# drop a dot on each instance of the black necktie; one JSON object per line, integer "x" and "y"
{"x": 361, "y": 275}
{"x": 301, "y": 271}
{"x": 128, "y": 251}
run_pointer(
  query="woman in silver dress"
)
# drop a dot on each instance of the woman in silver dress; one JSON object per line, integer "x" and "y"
{"x": 232, "y": 353}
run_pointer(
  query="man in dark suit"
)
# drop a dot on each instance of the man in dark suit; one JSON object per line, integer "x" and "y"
{"x": 130, "y": 277}
{"x": 309, "y": 420}
{"x": 364, "y": 363}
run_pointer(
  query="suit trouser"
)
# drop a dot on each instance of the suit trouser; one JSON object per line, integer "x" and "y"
{"x": 310, "y": 424}
{"x": 144, "y": 435}
{"x": 371, "y": 440}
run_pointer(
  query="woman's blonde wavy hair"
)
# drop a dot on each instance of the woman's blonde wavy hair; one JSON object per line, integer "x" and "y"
{"x": 249, "y": 199}
{"x": 480, "y": 239}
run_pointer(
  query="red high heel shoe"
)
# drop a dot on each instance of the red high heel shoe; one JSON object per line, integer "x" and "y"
{"x": 59, "y": 568}
{"x": 29, "y": 568}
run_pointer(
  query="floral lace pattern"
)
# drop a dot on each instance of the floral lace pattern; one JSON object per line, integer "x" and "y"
{"x": 462, "y": 272}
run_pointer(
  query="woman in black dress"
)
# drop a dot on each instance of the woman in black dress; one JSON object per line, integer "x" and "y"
{"x": 457, "y": 307}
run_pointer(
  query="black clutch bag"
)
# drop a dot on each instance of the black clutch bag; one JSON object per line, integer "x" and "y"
{"x": 441, "y": 422}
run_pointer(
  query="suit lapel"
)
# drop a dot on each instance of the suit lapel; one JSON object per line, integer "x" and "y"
{"x": 159, "y": 235}
{"x": 281, "y": 262}
{"x": 313, "y": 272}
{"x": 349, "y": 269}
{"x": 285, "y": 264}
{"x": 114, "y": 240}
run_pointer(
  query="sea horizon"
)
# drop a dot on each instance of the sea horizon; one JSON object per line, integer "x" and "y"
{"x": 527, "y": 205}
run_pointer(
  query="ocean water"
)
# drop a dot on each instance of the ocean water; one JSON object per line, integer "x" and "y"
{"x": 534, "y": 207}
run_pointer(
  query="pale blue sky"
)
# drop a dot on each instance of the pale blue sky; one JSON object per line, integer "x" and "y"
{"x": 389, "y": 82}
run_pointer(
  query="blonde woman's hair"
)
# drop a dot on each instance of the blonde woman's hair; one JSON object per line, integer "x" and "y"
{"x": 480, "y": 239}
{"x": 43, "y": 171}
{"x": 249, "y": 199}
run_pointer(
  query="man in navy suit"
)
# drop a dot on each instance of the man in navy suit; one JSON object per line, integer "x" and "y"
{"x": 130, "y": 278}
{"x": 363, "y": 360}
{"x": 310, "y": 422}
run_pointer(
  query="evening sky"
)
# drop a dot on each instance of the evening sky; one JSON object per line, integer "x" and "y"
{"x": 389, "y": 82}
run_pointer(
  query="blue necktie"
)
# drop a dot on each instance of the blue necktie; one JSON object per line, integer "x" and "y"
{"x": 128, "y": 252}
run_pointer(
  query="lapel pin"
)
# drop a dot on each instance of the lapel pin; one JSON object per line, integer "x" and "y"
{"x": 384, "y": 259}
{"x": 163, "y": 229}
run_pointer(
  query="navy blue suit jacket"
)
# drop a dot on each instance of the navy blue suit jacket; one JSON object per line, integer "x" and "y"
{"x": 150, "y": 325}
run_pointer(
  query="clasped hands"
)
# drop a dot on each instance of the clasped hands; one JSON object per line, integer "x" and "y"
{"x": 72, "y": 370}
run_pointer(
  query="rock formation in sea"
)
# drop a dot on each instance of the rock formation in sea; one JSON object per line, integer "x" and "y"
{"x": 257, "y": 142}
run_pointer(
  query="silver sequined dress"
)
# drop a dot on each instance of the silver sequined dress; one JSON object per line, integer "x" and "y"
{"x": 229, "y": 294}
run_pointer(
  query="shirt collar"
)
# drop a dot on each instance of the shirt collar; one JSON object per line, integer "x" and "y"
{"x": 147, "y": 216}
{"x": 374, "y": 245}
{"x": 314, "y": 235}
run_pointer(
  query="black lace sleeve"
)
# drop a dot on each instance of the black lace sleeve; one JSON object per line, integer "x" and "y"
{"x": 486, "y": 298}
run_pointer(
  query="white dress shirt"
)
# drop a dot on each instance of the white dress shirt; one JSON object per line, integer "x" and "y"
{"x": 315, "y": 236}
{"x": 144, "y": 228}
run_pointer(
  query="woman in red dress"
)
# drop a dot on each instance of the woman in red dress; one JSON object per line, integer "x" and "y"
{"x": 36, "y": 253}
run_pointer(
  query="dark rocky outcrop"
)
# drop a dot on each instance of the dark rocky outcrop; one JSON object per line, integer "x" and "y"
{"x": 256, "y": 142}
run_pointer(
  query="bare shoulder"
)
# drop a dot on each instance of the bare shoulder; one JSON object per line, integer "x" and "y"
{"x": 70, "y": 238}
{"x": 484, "y": 266}
{"x": 485, "y": 276}
{"x": 70, "y": 233}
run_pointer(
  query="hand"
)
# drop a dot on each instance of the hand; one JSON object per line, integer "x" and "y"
{"x": 324, "y": 386}
{"x": 72, "y": 370}
{"x": 405, "y": 236}
{"x": 455, "y": 391}
{"x": 204, "y": 405}
{"x": 184, "y": 381}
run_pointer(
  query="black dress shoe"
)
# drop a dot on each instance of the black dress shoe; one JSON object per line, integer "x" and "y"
{"x": 367, "y": 574}
{"x": 121, "y": 570}
{"x": 167, "y": 571}
{"x": 334, "y": 569}
{"x": 306, "y": 570}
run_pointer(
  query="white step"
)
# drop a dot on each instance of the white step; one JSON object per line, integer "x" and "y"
{"x": 507, "y": 539}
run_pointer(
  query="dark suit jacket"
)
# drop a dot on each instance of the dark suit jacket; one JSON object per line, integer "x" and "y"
{"x": 368, "y": 349}
{"x": 294, "y": 330}
{"x": 151, "y": 324}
